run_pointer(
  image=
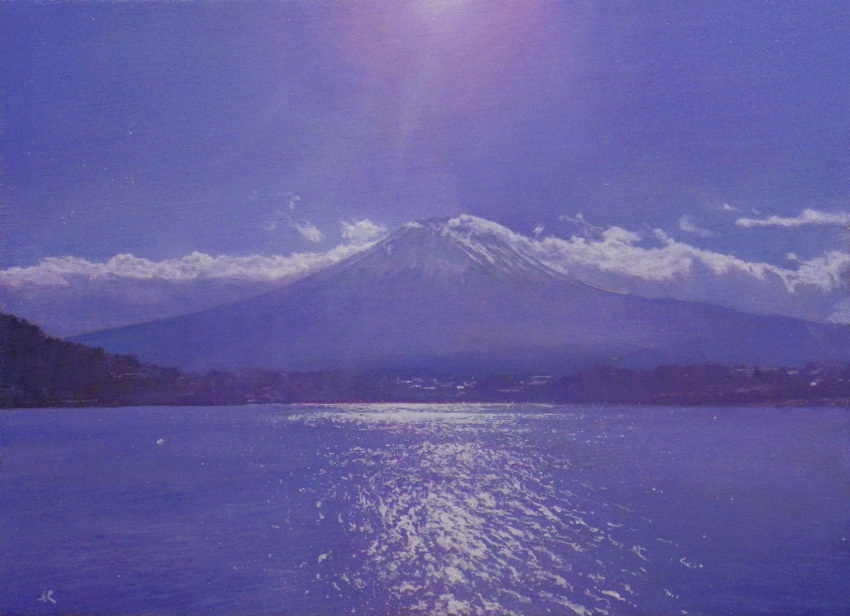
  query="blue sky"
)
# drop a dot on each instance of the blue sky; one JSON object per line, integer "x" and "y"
{"x": 239, "y": 129}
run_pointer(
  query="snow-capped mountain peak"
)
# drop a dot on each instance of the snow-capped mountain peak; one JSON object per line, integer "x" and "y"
{"x": 464, "y": 294}
{"x": 454, "y": 247}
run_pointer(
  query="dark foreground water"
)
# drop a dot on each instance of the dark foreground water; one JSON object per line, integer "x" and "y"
{"x": 425, "y": 509}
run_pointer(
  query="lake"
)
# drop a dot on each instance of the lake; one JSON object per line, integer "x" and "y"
{"x": 425, "y": 509}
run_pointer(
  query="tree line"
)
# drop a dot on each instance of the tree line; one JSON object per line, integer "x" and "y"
{"x": 37, "y": 370}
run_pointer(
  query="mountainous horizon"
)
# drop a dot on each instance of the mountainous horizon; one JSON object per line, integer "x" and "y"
{"x": 461, "y": 293}
{"x": 69, "y": 296}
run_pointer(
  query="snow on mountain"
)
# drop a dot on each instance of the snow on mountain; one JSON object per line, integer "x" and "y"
{"x": 465, "y": 293}
{"x": 659, "y": 266}
{"x": 451, "y": 248}
{"x": 69, "y": 295}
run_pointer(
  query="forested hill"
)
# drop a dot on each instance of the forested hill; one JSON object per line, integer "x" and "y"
{"x": 37, "y": 370}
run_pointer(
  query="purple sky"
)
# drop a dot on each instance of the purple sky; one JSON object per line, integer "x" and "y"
{"x": 160, "y": 129}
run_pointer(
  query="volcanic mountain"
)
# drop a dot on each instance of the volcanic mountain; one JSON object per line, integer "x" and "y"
{"x": 463, "y": 294}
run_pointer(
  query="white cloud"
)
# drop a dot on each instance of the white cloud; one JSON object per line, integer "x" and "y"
{"x": 649, "y": 262}
{"x": 689, "y": 225}
{"x": 653, "y": 264}
{"x": 616, "y": 251}
{"x": 308, "y": 231}
{"x": 362, "y": 231}
{"x": 659, "y": 258}
{"x": 806, "y": 217}
{"x": 62, "y": 271}
{"x": 619, "y": 251}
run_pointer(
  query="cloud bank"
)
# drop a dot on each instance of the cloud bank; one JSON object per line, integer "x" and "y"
{"x": 613, "y": 251}
{"x": 653, "y": 264}
{"x": 649, "y": 263}
{"x": 806, "y": 217}
{"x": 62, "y": 271}
{"x": 623, "y": 252}
{"x": 658, "y": 258}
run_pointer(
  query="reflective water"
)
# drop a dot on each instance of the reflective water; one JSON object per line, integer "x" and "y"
{"x": 431, "y": 509}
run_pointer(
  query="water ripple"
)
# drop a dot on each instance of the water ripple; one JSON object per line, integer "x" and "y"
{"x": 453, "y": 518}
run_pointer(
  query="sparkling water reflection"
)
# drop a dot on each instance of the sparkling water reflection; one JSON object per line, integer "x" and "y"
{"x": 423, "y": 509}
{"x": 463, "y": 515}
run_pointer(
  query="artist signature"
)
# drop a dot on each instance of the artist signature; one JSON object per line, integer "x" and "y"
{"x": 47, "y": 595}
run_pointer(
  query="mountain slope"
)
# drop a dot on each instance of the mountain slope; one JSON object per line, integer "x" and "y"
{"x": 458, "y": 294}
